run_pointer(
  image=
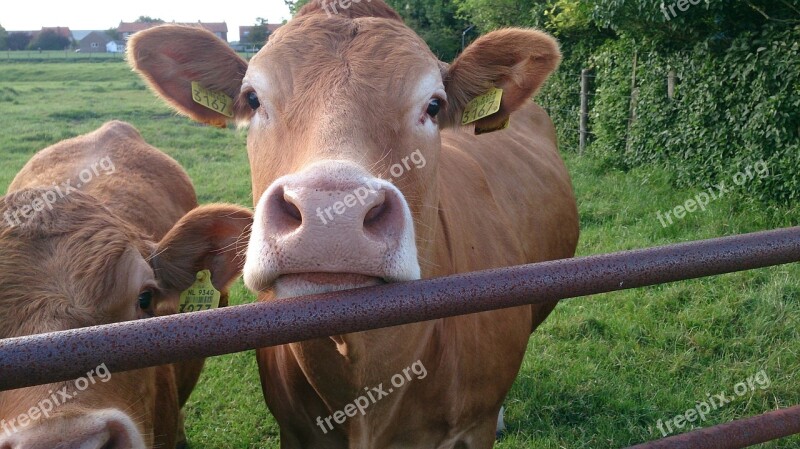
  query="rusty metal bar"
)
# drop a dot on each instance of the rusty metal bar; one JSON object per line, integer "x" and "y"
{"x": 735, "y": 434}
{"x": 58, "y": 356}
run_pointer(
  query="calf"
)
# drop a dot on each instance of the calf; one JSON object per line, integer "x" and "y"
{"x": 360, "y": 178}
{"x": 77, "y": 248}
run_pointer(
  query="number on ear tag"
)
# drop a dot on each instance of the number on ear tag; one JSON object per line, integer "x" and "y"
{"x": 482, "y": 106}
{"x": 214, "y": 100}
{"x": 200, "y": 296}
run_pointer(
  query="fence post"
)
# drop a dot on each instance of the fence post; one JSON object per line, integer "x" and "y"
{"x": 671, "y": 83}
{"x": 584, "y": 108}
{"x": 634, "y": 100}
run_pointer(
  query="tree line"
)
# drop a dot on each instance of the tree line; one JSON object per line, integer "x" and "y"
{"x": 50, "y": 39}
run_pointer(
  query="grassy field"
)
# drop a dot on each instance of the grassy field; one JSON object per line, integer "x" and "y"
{"x": 600, "y": 373}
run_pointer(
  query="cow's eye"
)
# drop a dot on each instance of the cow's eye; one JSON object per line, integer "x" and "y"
{"x": 434, "y": 107}
{"x": 145, "y": 299}
{"x": 252, "y": 100}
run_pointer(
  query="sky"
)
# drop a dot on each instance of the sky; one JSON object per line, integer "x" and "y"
{"x": 102, "y": 15}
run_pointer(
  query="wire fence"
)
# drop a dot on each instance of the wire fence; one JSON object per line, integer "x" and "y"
{"x": 72, "y": 55}
{"x": 578, "y": 120}
{"x": 69, "y": 55}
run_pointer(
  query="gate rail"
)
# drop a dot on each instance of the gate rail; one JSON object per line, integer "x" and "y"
{"x": 65, "y": 355}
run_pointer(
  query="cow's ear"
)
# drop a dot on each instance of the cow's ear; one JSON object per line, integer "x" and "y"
{"x": 171, "y": 57}
{"x": 212, "y": 237}
{"x": 516, "y": 60}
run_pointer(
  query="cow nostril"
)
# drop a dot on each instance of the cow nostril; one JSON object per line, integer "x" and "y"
{"x": 118, "y": 436}
{"x": 116, "y": 443}
{"x": 376, "y": 213}
{"x": 283, "y": 215}
{"x": 290, "y": 209}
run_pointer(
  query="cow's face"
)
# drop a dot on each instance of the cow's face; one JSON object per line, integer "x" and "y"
{"x": 77, "y": 265}
{"x": 344, "y": 141}
{"x": 344, "y": 146}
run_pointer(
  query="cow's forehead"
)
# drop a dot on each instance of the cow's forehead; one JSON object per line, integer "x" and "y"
{"x": 321, "y": 56}
{"x": 64, "y": 258}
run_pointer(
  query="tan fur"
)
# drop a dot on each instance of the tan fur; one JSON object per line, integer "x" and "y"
{"x": 70, "y": 264}
{"x": 342, "y": 88}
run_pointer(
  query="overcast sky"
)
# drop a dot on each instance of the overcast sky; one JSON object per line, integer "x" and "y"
{"x": 102, "y": 15}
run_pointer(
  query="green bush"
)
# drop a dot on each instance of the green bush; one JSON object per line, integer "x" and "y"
{"x": 734, "y": 105}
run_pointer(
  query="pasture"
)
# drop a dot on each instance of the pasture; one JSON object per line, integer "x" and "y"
{"x": 599, "y": 373}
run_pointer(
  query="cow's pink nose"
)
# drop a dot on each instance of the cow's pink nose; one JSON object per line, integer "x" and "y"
{"x": 86, "y": 432}
{"x": 331, "y": 218}
{"x": 352, "y": 215}
{"x": 360, "y": 208}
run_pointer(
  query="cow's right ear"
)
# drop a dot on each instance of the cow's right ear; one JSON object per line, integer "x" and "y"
{"x": 171, "y": 57}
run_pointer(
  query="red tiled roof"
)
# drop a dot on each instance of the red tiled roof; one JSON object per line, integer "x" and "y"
{"x": 214, "y": 27}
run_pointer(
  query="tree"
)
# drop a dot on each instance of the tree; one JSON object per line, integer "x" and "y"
{"x": 113, "y": 34}
{"x": 148, "y": 19}
{"x": 18, "y": 40}
{"x": 49, "y": 40}
{"x": 259, "y": 33}
{"x": 295, "y": 5}
{"x": 3, "y": 37}
{"x": 436, "y": 22}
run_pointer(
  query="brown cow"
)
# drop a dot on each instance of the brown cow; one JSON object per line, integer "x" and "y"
{"x": 77, "y": 249}
{"x": 338, "y": 106}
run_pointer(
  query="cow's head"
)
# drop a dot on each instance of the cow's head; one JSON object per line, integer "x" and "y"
{"x": 76, "y": 265}
{"x": 344, "y": 114}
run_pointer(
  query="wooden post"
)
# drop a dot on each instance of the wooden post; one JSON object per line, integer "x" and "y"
{"x": 671, "y": 84}
{"x": 584, "y": 109}
{"x": 634, "y": 98}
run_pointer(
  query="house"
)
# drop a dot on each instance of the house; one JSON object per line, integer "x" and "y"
{"x": 115, "y": 47}
{"x": 244, "y": 31}
{"x": 95, "y": 42}
{"x": 128, "y": 29}
{"x": 78, "y": 35}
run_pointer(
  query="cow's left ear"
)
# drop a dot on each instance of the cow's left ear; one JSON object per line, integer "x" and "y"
{"x": 212, "y": 237}
{"x": 516, "y": 60}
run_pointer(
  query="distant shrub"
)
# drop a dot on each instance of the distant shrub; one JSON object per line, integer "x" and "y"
{"x": 734, "y": 105}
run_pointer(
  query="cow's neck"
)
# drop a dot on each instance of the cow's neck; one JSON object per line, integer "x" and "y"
{"x": 341, "y": 367}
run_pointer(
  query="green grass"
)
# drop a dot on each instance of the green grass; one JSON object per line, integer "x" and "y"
{"x": 599, "y": 373}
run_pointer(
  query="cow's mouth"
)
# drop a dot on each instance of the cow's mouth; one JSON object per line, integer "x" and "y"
{"x": 303, "y": 284}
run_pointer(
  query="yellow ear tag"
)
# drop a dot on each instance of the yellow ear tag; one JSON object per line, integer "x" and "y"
{"x": 214, "y": 100}
{"x": 200, "y": 296}
{"x": 482, "y": 106}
